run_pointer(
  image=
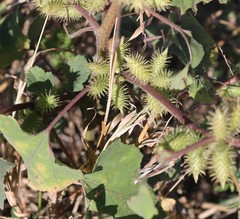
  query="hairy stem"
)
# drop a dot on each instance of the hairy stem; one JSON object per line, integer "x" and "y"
{"x": 103, "y": 33}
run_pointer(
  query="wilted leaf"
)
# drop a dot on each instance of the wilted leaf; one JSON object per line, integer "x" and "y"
{"x": 184, "y": 5}
{"x": 112, "y": 181}
{"x": 45, "y": 173}
{"x": 5, "y": 166}
{"x": 39, "y": 81}
{"x": 142, "y": 203}
{"x": 168, "y": 204}
{"x": 78, "y": 73}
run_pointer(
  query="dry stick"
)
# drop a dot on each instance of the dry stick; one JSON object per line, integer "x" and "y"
{"x": 67, "y": 107}
{"x": 111, "y": 81}
{"x": 145, "y": 128}
{"x": 174, "y": 26}
{"x": 22, "y": 82}
{"x": 171, "y": 107}
{"x": 16, "y": 107}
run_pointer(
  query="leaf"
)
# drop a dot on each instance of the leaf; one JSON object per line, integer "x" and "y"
{"x": 45, "y": 173}
{"x": 200, "y": 90}
{"x": 5, "y": 166}
{"x": 181, "y": 80}
{"x": 78, "y": 73}
{"x": 184, "y": 5}
{"x": 8, "y": 57}
{"x": 39, "y": 81}
{"x": 142, "y": 203}
{"x": 11, "y": 38}
{"x": 112, "y": 182}
{"x": 197, "y": 52}
{"x": 200, "y": 36}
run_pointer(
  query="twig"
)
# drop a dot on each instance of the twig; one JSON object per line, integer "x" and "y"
{"x": 77, "y": 33}
{"x": 69, "y": 157}
{"x": 16, "y": 107}
{"x": 22, "y": 82}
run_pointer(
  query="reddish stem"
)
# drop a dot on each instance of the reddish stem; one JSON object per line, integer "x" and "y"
{"x": 171, "y": 107}
{"x": 91, "y": 20}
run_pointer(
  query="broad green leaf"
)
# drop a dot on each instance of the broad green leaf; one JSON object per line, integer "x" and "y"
{"x": 11, "y": 38}
{"x": 45, "y": 173}
{"x": 184, "y": 5}
{"x": 78, "y": 73}
{"x": 197, "y": 52}
{"x": 199, "y": 90}
{"x": 112, "y": 182}
{"x": 39, "y": 81}
{"x": 142, "y": 203}
{"x": 5, "y": 166}
{"x": 8, "y": 57}
{"x": 203, "y": 44}
{"x": 181, "y": 80}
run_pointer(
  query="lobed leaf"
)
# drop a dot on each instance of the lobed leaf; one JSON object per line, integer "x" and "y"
{"x": 5, "y": 166}
{"x": 39, "y": 81}
{"x": 111, "y": 184}
{"x": 184, "y": 5}
{"x": 45, "y": 172}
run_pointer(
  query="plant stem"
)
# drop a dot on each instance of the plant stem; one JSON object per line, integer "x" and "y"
{"x": 67, "y": 107}
{"x": 202, "y": 143}
{"x": 171, "y": 107}
{"x": 103, "y": 33}
{"x": 174, "y": 26}
{"x": 91, "y": 20}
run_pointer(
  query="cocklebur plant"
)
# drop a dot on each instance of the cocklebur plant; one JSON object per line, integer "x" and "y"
{"x": 137, "y": 6}
{"x": 65, "y": 11}
{"x": 62, "y": 10}
{"x": 219, "y": 157}
{"x": 222, "y": 165}
{"x": 46, "y": 102}
{"x": 153, "y": 74}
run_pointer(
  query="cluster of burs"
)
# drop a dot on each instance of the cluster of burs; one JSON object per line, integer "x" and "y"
{"x": 218, "y": 158}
